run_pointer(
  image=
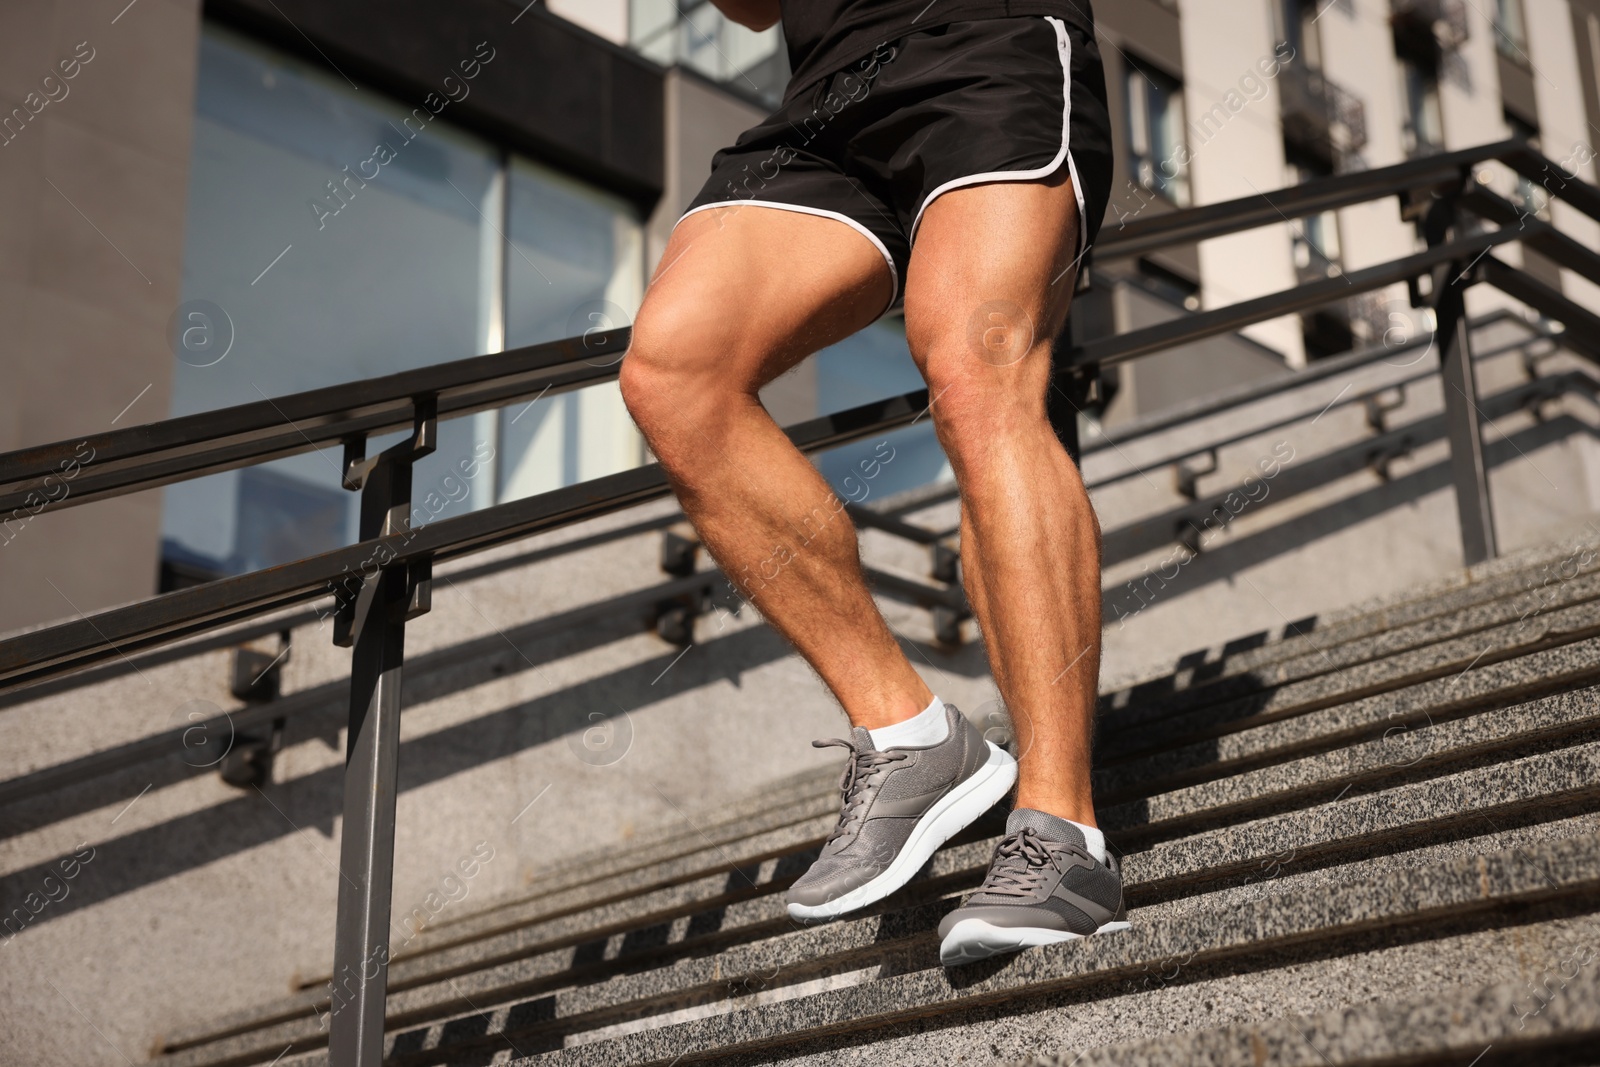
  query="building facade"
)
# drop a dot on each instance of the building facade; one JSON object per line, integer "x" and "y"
{"x": 219, "y": 203}
{"x": 289, "y": 205}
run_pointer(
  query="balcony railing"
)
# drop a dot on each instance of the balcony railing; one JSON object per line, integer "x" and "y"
{"x": 1438, "y": 25}
{"x": 1320, "y": 116}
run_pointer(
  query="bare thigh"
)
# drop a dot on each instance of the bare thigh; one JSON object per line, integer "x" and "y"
{"x": 742, "y": 294}
{"x": 989, "y": 285}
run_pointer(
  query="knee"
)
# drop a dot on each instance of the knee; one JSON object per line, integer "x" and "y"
{"x": 643, "y": 379}
{"x": 670, "y": 378}
{"x": 979, "y": 400}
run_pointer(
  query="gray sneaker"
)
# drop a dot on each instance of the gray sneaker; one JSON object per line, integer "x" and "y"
{"x": 1043, "y": 887}
{"x": 899, "y": 807}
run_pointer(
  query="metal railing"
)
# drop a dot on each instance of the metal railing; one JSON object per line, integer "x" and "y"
{"x": 1320, "y": 114}
{"x": 691, "y": 592}
{"x": 384, "y": 581}
{"x": 1444, "y": 24}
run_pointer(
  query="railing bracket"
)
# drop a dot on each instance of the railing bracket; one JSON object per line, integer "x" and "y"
{"x": 1186, "y": 477}
{"x": 680, "y": 550}
{"x": 947, "y": 626}
{"x": 256, "y": 679}
{"x": 1378, "y": 408}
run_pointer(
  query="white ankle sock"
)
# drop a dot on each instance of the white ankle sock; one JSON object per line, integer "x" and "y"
{"x": 1054, "y": 828}
{"x": 1094, "y": 841}
{"x": 926, "y": 727}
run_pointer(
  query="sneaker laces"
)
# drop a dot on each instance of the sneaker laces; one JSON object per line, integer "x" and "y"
{"x": 862, "y": 767}
{"x": 1019, "y": 865}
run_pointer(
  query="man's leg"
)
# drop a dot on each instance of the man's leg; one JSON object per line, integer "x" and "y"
{"x": 988, "y": 288}
{"x": 743, "y": 294}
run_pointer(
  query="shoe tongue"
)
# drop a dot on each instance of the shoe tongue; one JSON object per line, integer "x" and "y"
{"x": 863, "y": 739}
{"x": 1046, "y": 826}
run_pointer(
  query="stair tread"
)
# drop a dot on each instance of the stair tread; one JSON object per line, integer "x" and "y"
{"x": 1522, "y": 611}
{"x": 1461, "y": 1024}
{"x": 743, "y": 974}
{"x": 1349, "y": 779}
{"x": 1246, "y": 849}
{"x": 1132, "y": 734}
{"x": 1567, "y": 868}
{"x": 1422, "y": 703}
{"x": 1502, "y": 577}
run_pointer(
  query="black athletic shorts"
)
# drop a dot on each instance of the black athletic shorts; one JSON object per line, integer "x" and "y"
{"x": 872, "y": 145}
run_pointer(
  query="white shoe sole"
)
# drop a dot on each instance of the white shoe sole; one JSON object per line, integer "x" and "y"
{"x": 971, "y": 940}
{"x": 953, "y": 812}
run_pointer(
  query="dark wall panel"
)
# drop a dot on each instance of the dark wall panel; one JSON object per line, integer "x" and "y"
{"x": 1516, "y": 90}
{"x": 552, "y": 90}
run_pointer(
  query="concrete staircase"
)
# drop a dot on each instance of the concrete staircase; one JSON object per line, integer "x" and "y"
{"x": 1368, "y": 840}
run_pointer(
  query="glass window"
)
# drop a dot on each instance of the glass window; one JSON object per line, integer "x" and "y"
{"x": 696, "y": 35}
{"x": 334, "y": 235}
{"x": 1315, "y": 238}
{"x": 575, "y": 264}
{"x": 1510, "y": 33}
{"x": 1155, "y": 133}
{"x": 1424, "y": 121}
{"x": 1299, "y": 20}
{"x": 873, "y": 365}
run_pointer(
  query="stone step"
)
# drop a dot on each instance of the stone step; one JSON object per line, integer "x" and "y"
{"x": 1151, "y": 1015}
{"x": 742, "y": 842}
{"x": 1512, "y": 1022}
{"x": 575, "y": 931}
{"x": 1135, "y": 731}
{"x": 1546, "y": 721}
{"x": 861, "y": 949}
{"x": 1534, "y": 572}
{"x": 1488, "y": 737}
{"x": 1395, "y": 713}
{"x": 472, "y": 927}
{"x": 1178, "y": 997}
{"x": 658, "y": 913}
{"x": 1284, "y": 757}
{"x": 1383, "y": 713}
{"x": 1302, "y": 840}
{"x": 1414, "y": 901}
{"x": 743, "y": 845}
{"x": 1561, "y": 781}
{"x": 1522, "y": 612}
{"x": 516, "y": 911}
{"x": 684, "y": 834}
{"x": 688, "y": 856}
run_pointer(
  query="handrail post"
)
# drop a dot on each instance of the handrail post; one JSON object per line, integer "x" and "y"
{"x": 374, "y": 622}
{"x": 1462, "y": 418}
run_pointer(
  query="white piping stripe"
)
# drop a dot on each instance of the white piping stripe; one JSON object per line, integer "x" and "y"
{"x": 1064, "y": 49}
{"x": 894, "y": 274}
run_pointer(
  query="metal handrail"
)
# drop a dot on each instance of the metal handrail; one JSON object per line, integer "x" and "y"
{"x": 1203, "y": 324}
{"x": 384, "y": 580}
{"x": 78, "y": 643}
{"x": 1125, "y": 435}
{"x": 1154, "y": 233}
{"x": 177, "y": 448}
{"x": 1120, "y": 543}
{"x": 190, "y": 446}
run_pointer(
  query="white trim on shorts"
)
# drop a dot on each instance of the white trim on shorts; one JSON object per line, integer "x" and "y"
{"x": 1064, "y": 49}
{"x": 894, "y": 273}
